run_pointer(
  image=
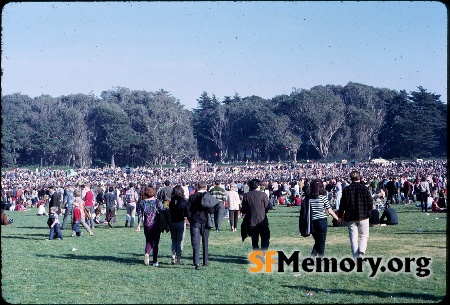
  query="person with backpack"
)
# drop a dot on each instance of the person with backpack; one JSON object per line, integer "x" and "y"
{"x": 198, "y": 216}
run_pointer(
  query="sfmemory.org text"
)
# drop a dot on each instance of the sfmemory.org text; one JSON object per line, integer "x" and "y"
{"x": 266, "y": 262}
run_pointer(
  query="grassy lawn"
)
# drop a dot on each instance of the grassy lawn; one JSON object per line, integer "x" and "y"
{"x": 108, "y": 267}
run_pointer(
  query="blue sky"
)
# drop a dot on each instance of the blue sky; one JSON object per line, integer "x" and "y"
{"x": 249, "y": 48}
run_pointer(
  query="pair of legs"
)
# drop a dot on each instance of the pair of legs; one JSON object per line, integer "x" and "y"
{"x": 131, "y": 214}
{"x": 260, "y": 231}
{"x": 424, "y": 201}
{"x": 233, "y": 216}
{"x": 199, "y": 230}
{"x": 218, "y": 215}
{"x": 55, "y": 232}
{"x": 152, "y": 237}
{"x": 91, "y": 216}
{"x": 320, "y": 235}
{"x": 67, "y": 212}
{"x": 177, "y": 232}
{"x": 358, "y": 232}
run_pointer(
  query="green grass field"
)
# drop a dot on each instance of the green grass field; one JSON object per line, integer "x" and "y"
{"x": 108, "y": 267}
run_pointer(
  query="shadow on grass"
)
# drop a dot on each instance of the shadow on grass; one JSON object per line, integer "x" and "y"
{"x": 241, "y": 260}
{"x": 132, "y": 259}
{"x": 28, "y": 236}
{"x": 380, "y": 294}
{"x": 423, "y": 232}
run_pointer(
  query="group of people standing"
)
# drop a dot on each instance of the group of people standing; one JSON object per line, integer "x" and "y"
{"x": 192, "y": 212}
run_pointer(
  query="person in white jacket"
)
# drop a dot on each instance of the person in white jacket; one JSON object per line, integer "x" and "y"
{"x": 234, "y": 206}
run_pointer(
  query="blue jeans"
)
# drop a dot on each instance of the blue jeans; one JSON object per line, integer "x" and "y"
{"x": 55, "y": 232}
{"x": 320, "y": 235}
{"x": 69, "y": 210}
{"x": 76, "y": 228}
{"x": 91, "y": 219}
{"x": 177, "y": 236}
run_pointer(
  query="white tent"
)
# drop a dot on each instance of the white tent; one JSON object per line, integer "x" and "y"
{"x": 380, "y": 161}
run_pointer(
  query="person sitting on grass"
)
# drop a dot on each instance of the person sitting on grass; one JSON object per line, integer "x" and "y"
{"x": 4, "y": 219}
{"x": 41, "y": 208}
{"x": 374, "y": 219}
{"x": 436, "y": 208}
{"x": 389, "y": 216}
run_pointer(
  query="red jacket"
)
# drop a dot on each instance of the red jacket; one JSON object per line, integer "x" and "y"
{"x": 76, "y": 214}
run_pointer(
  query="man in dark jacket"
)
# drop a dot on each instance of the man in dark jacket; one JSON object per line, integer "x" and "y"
{"x": 198, "y": 215}
{"x": 255, "y": 206}
{"x": 54, "y": 199}
{"x": 389, "y": 216}
{"x": 356, "y": 204}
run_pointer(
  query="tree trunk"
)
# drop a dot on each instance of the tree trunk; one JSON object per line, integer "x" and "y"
{"x": 113, "y": 164}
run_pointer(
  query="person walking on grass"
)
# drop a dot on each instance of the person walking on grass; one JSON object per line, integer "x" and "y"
{"x": 234, "y": 206}
{"x": 149, "y": 209}
{"x": 319, "y": 203}
{"x": 111, "y": 204}
{"x": 131, "y": 198}
{"x": 356, "y": 204}
{"x": 54, "y": 224}
{"x": 198, "y": 219}
{"x": 69, "y": 198}
{"x": 80, "y": 204}
{"x": 221, "y": 195}
{"x": 255, "y": 206}
{"x": 89, "y": 204}
{"x": 177, "y": 209}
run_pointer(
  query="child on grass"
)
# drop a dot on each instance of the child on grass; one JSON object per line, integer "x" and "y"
{"x": 55, "y": 227}
{"x": 76, "y": 220}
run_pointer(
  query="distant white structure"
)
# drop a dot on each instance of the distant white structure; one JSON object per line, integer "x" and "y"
{"x": 382, "y": 161}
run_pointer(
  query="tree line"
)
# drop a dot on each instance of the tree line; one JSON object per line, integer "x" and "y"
{"x": 140, "y": 128}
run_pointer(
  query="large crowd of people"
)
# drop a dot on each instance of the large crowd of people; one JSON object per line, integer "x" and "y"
{"x": 27, "y": 187}
{"x": 86, "y": 194}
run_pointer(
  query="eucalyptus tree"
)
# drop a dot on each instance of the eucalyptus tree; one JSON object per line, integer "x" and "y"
{"x": 170, "y": 132}
{"x": 112, "y": 133}
{"x": 16, "y": 130}
{"x": 319, "y": 113}
{"x": 211, "y": 126}
{"x": 366, "y": 111}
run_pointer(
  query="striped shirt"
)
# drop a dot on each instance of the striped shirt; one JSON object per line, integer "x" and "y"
{"x": 318, "y": 207}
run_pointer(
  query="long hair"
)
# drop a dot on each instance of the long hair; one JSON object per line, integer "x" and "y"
{"x": 316, "y": 188}
{"x": 177, "y": 192}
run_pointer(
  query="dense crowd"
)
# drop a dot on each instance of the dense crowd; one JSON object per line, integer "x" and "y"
{"x": 27, "y": 187}
{"x": 174, "y": 199}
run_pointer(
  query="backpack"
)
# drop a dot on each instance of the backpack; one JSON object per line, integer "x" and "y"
{"x": 209, "y": 201}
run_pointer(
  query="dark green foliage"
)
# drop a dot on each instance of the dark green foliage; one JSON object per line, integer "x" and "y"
{"x": 137, "y": 127}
